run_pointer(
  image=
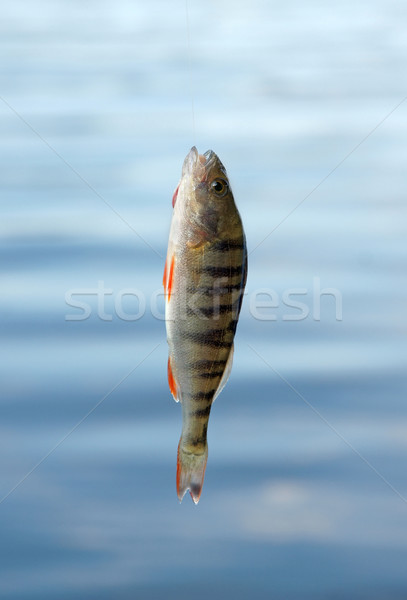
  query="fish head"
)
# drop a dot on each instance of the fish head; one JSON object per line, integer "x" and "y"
{"x": 205, "y": 195}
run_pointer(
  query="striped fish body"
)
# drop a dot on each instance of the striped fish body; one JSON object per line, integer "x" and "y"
{"x": 204, "y": 280}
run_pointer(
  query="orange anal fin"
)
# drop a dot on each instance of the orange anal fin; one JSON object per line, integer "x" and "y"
{"x": 171, "y": 381}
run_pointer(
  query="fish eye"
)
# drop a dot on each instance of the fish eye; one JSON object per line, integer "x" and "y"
{"x": 219, "y": 186}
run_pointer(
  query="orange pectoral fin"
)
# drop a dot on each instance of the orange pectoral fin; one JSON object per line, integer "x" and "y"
{"x": 168, "y": 276}
{"x": 171, "y": 381}
{"x": 174, "y": 198}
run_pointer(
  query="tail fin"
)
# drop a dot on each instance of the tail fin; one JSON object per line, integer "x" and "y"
{"x": 190, "y": 472}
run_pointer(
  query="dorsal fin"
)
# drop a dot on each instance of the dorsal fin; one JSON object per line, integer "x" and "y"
{"x": 226, "y": 373}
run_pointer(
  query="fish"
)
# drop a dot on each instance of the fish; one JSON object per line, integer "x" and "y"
{"x": 204, "y": 279}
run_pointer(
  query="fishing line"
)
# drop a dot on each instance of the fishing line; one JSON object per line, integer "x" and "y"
{"x": 190, "y": 72}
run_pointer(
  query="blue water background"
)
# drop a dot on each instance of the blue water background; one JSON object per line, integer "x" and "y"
{"x": 306, "y": 486}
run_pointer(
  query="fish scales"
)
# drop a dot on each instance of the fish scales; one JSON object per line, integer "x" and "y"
{"x": 204, "y": 279}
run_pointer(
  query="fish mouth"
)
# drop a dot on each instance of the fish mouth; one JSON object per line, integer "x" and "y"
{"x": 212, "y": 161}
{"x": 210, "y": 157}
{"x": 198, "y": 165}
